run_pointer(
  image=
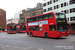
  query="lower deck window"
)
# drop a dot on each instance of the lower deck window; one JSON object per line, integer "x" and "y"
{"x": 34, "y": 28}
{"x": 52, "y": 27}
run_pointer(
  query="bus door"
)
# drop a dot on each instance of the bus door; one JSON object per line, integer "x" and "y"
{"x": 52, "y": 29}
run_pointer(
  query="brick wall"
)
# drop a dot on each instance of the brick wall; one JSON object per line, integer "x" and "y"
{"x": 2, "y": 19}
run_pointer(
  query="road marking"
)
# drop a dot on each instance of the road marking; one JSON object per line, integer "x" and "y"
{"x": 3, "y": 36}
{"x": 28, "y": 48}
{"x": 2, "y": 45}
{"x": 40, "y": 49}
{"x": 7, "y": 46}
{"x": 16, "y": 47}
{"x": 71, "y": 37}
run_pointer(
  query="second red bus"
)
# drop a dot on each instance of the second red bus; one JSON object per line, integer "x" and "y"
{"x": 21, "y": 28}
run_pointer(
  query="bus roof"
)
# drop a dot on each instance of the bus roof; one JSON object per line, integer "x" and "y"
{"x": 11, "y": 24}
{"x": 43, "y": 14}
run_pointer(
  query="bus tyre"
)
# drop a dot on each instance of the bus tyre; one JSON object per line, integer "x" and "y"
{"x": 31, "y": 34}
{"x": 46, "y": 35}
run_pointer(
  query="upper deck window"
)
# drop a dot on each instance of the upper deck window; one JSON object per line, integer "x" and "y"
{"x": 45, "y": 16}
{"x": 60, "y": 15}
{"x": 50, "y": 15}
{"x": 22, "y": 23}
{"x": 42, "y": 17}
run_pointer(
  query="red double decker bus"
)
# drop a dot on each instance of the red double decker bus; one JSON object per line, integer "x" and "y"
{"x": 52, "y": 24}
{"x": 21, "y": 28}
{"x": 11, "y": 28}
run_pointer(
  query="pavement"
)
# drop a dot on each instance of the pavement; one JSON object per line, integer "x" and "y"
{"x": 2, "y": 31}
{"x": 21, "y": 41}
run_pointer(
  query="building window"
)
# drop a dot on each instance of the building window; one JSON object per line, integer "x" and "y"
{"x": 67, "y": 11}
{"x": 44, "y": 4}
{"x": 62, "y": 5}
{"x": 72, "y": 10}
{"x": 48, "y": 3}
{"x": 65, "y": 4}
{"x": 72, "y": 18}
{"x": 72, "y": 1}
{"x": 57, "y": 0}
{"x": 67, "y": 19}
{"x": 57, "y": 6}
{"x": 54, "y": 7}
{"x": 50, "y": 8}
{"x": 44, "y": 10}
{"x": 54, "y": 1}
{"x": 61, "y": 11}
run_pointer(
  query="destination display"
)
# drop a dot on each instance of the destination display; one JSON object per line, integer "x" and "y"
{"x": 12, "y": 26}
{"x": 61, "y": 21}
{"x": 22, "y": 26}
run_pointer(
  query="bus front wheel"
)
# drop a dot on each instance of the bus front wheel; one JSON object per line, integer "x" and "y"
{"x": 46, "y": 35}
{"x": 31, "y": 34}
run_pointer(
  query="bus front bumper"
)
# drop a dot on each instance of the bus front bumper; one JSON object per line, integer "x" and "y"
{"x": 62, "y": 34}
{"x": 58, "y": 34}
{"x": 22, "y": 31}
{"x": 12, "y": 32}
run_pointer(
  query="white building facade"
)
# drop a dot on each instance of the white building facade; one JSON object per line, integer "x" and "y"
{"x": 13, "y": 21}
{"x": 66, "y": 6}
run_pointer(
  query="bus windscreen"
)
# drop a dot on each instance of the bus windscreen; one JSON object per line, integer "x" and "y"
{"x": 62, "y": 27}
{"x": 12, "y": 29}
{"x": 60, "y": 15}
{"x": 22, "y": 29}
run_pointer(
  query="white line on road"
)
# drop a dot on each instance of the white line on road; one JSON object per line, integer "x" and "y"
{"x": 1, "y": 44}
{"x": 7, "y": 46}
{"x": 16, "y": 47}
{"x": 28, "y": 48}
{"x": 3, "y": 37}
{"x": 40, "y": 49}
